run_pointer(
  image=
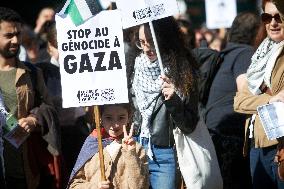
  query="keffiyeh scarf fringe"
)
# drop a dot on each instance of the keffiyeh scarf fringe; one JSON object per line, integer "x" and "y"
{"x": 262, "y": 63}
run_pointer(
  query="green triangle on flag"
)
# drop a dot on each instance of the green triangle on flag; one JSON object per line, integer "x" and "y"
{"x": 74, "y": 13}
{"x": 81, "y": 10}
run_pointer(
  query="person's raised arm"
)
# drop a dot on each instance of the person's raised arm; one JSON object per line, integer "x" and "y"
{"x": 184, "y": 113}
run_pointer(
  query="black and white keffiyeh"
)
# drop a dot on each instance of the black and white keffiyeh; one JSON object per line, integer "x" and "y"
{"x": 262, "y": 63}
{"x": 147, "y": 86}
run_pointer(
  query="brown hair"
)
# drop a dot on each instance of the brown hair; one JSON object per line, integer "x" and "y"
{"x": 261, "y": 34}
{"x": 176, "y": 55}
{"x": 127, "y": 106}
{"x": 49, "y": 32}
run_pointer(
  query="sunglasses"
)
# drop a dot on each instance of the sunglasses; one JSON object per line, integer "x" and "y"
{"x": 267, "y": 18}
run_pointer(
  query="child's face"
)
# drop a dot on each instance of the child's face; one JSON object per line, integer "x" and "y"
{"x": 113, "y": 119}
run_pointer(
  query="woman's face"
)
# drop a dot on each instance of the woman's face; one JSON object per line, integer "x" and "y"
{"x": 146, "y": 43}
{"x": 113, "y": 119}
{"x": 274, "y": 28}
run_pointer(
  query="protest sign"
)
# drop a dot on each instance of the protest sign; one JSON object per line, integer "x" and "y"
{"x": 136, "y": 12}
{"x": 92, "y": 61}
{"x": 9, "y": 127}
{"x": 272, "y": 119}
{"x": 13, "y": 132}
{"x": 220, "y": 13}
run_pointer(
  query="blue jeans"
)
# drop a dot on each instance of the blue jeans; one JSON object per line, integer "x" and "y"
{"x": 264, "y": 169}
{"x": 162, "y": 168}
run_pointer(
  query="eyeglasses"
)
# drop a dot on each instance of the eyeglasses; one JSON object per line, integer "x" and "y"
{"x": 267, "y": 18}
{"x": 142, "y": 43}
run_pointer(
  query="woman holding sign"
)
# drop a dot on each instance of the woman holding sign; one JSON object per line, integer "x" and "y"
{"x": 164, "y": 101}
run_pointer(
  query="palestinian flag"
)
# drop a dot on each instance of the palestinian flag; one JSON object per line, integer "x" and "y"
{"x": 81, "y": 10}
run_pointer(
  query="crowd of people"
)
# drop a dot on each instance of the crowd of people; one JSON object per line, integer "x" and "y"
{"x": 60, "y": 149}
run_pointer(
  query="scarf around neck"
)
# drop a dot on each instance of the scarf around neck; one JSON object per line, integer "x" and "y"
{"x": 262, "y": 64}
{"x": 147, "y": 87}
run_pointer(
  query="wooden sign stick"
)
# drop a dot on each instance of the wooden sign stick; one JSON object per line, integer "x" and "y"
{"x": 101, "y": 155}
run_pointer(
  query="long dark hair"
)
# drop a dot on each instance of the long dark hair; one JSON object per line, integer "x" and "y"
{"x": 176, "y": 56}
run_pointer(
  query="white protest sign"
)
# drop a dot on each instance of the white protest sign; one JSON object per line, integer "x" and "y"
{"x": 92, "y": 61}
{"x": 220, "y": 13}
{"x": 272, "y": 119}
{"x": 136, "y": 12}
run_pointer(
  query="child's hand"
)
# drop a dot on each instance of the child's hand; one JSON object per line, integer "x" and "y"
{"x": 104, "y": 184}
{"x": 128, "y": 142}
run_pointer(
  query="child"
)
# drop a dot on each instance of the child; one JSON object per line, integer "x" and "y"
{"x": 125, "y": 160}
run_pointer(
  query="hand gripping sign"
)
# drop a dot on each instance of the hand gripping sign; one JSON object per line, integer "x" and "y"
{"x": 136, "y": 12}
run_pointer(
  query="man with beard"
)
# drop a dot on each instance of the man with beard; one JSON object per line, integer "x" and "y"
{"x": 18, "y": 90}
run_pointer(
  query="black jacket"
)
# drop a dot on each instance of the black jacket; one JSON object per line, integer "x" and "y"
{"x": 220, "y": 115}
{"x": 170, "y": 114}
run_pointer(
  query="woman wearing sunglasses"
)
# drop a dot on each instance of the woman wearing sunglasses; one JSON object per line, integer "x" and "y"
{"x": 264, "y": 84}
